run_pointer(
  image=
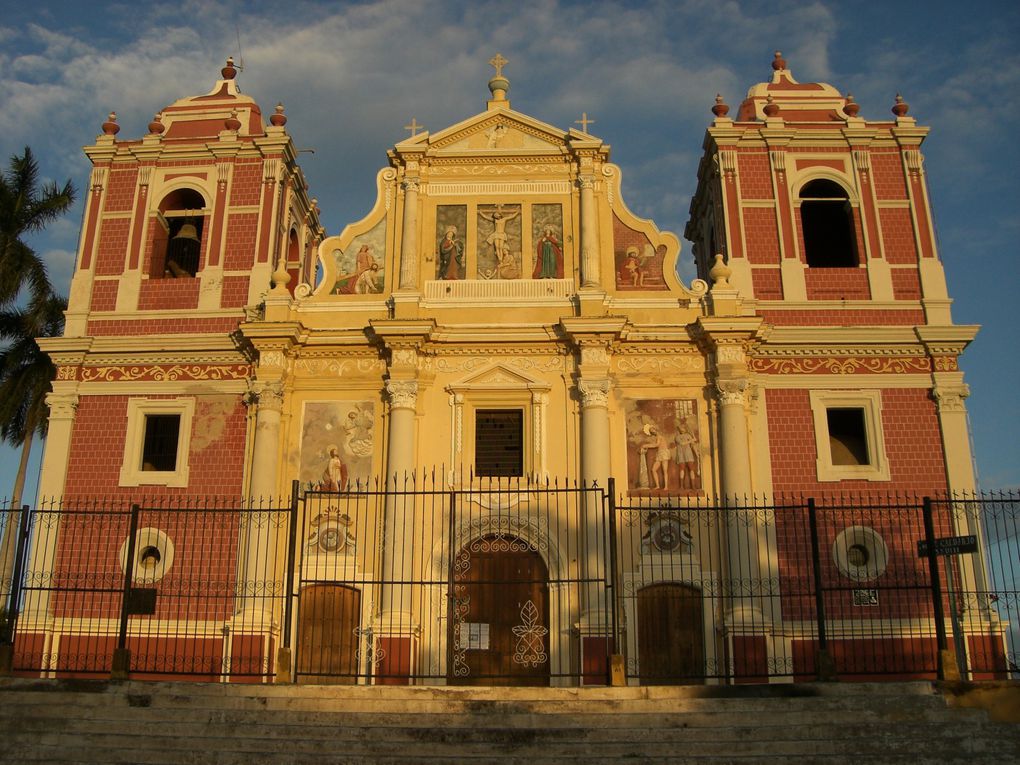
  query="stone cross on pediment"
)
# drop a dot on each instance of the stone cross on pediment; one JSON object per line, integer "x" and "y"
{"x": 498, "y": 62}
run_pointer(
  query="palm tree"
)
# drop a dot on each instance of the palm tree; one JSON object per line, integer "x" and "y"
{"x": 25, "y": 376}
{"x": 25, "y": 208}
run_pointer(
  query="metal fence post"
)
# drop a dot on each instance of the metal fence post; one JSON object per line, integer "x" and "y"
{"x": 943, "y": 662}
{"x": 121, "y": 655}
{"x": 617, "y": 668}
{"x": 451, "y": 589}
{"x": 13, "y": 604}
{"x": 824, "y": 665}
{"x": 285, "y": 655}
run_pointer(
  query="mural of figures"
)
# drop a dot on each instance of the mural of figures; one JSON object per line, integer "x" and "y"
{"x": 638, "y": 264}
{"x": 499, "y": 241}
{"x": 547, "y": 233}
{"x": 360, "y": 267}
{"x": 337, "y": 440}
{"x": 663, "y": 447}
{"x": 451, "y": 227}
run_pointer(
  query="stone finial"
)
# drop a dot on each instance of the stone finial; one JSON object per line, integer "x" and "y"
{"x": 851, "y": 108}
{"x": 901, "y": 107}
{"x": 229, "y": 72}
{"x": 278, "y": 118}
{"x": 281, "y": 277}
{"x": 720, "y": 273}
{"x": 110, "y": 127}
{"x": 156, "y": 127}
{"x": 778, "y": 62}
{"x": 771, "y": 108}
{"x": 720, "y": 109}
{"x": 232, "y": 123}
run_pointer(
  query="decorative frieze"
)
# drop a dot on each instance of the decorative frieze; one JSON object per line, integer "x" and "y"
{"x": 159, "y": 373}
{"x": 841, "y": 365}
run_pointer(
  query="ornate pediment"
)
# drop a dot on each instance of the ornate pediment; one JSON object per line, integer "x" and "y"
{"x": 498, "y": 377}
{"x": 500, "y": 131}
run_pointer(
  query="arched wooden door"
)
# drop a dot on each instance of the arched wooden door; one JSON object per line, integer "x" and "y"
{"x": 671, "y": 637}
{"x": 328, "y": 619}
{"x": 500, "y": 629}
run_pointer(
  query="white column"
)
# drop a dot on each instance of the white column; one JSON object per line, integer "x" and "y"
{"x": 263, "y": 532}
{"x": 595, "y": 467}
{"x": 409, "y": 237}
{"x": 398, "y": 530}
{"x": 589, "y": 233}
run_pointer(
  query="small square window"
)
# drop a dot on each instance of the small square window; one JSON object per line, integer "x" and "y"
{"x": 156, "y": 442}
{"x": 499, "y": 442}
{"x": 162, "y": 433}
{"x": 848, "y": 435}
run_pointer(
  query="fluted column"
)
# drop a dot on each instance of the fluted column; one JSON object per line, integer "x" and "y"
{"x": 266, "y": 449}
{"x": 590, "y": 276}
{"x": 409, "y": 237}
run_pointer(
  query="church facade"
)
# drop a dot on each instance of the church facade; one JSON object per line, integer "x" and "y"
{"x": 501, "y": 317}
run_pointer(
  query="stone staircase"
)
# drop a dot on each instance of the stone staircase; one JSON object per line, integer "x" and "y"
{"x": 146, "y": 723}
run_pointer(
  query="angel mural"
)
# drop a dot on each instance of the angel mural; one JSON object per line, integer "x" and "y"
{"x": 663, "y": 447}
{"x": 639, "y": 263}
{"x": 337, "y": 441}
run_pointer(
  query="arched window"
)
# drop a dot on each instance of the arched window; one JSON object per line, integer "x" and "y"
{"x": 177, "y": 245}
{"x": 828, "y": 223}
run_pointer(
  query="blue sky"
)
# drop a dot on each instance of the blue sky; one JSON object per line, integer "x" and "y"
{"x": 352, "y": 74}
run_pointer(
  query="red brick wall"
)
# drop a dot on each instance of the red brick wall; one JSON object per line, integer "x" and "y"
{"x": 235, "y": 291}
{"x": 843, "y": 318}
{"x": 906, "y": 284}
{"x": 120, "y": 190}
{"x": 898, "y": 236}
{"x": 246, "y": 187}
{"x": 112, "y": 249}
{"x": 762, "y": 235}
{"x": 104, "y": 295}
{"x": 239, "y": 249}
{"x": 887, "y": 175}
{"x": 837, "y": 284}
{"x": 755, "y": 175}
{"x": 768, "y": 283}
{"x": 177, "y": 325}
{"x": 913, "y": 445}
{"x": 97, "y": 452}
{"x": 165, "y": 294}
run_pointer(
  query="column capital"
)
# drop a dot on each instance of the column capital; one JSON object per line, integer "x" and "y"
{"x": 403, "y": 394}
{"x": 265, "y": 395}
{"x": 950, "y": 398}
{"x": 412, "y": 185}
{"x": 594, "y": 393}
{"x": 63, "y": 406}
{"x": 731, "y": 391}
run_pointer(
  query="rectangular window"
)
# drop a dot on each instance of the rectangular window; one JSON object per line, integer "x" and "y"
{"x": 159, "y": 450}
{"x": 157, "y": 442}
{"x": 848, "y": 436}
{"x": 499, "y": 442}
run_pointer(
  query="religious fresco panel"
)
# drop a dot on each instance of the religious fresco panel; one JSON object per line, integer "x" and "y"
{"x": 663, "y": 446}
{"x": 499, "y": 242}
{"x": 451, "y": 230}
{"x": 547, "y": 234}
{"x": 360, "y": 268}
{"x": 638, "y": 263}
{"x": 337, "y": 440}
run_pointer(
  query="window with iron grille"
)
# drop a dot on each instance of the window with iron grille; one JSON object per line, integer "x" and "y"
{"x": 499, "y": 442}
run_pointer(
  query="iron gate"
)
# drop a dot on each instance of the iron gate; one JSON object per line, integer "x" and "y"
{"x": 502, "y": 582}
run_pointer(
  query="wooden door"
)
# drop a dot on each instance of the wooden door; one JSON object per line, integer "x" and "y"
{"x": 500, "y": 631}
{"x": 671, "y": 637}
{"x": 329, "y": 616}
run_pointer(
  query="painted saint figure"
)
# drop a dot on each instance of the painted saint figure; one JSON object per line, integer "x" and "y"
{"x": 686, "y": 456}
{"x": 451, "y": 255}
{"x": 549, "y": 256}
{"x": 659, "y": 445}
{"x": 353, "y": 284}
{"x": 334, "y": 475}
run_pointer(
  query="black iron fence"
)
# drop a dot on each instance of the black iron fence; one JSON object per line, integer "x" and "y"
{"x": 508, "y": 581}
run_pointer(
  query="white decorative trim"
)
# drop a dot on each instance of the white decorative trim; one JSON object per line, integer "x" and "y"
{"x": 870, "y": 401}
{"x": 131, "y": 472}
{"x": 486, "y": 291}
{"x": 501, "y": 188}
{"x": 872, "y": 542}
{"x": 145, "y": 538}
